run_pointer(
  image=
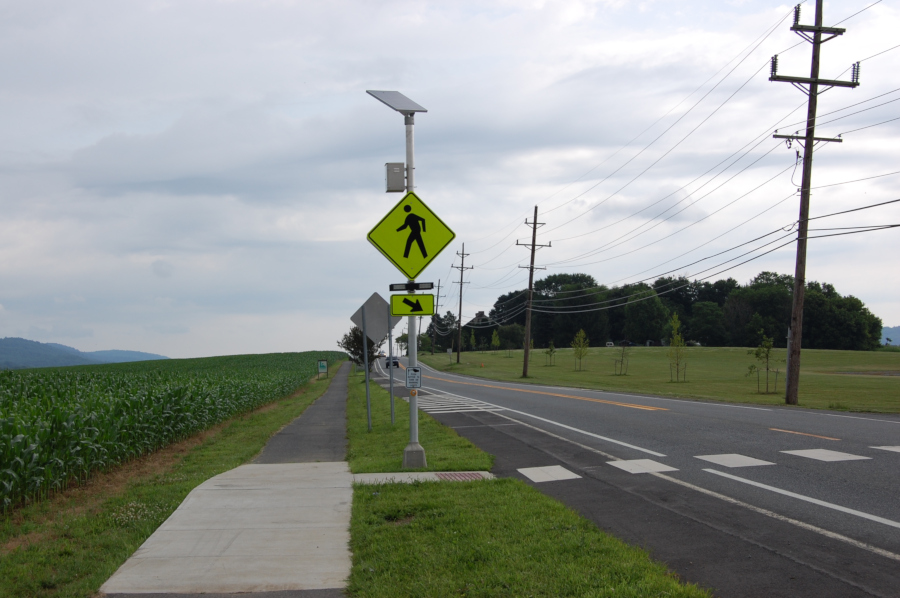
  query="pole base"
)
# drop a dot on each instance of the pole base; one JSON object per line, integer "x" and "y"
{"x": 414, "y": 456}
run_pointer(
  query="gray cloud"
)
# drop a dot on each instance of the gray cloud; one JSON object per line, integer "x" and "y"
{"x": 201, "y": 176}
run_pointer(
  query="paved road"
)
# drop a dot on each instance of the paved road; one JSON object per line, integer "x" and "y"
{"x": 746, "y": 500}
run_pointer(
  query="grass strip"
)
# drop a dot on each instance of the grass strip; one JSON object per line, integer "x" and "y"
{"x": 866, "y": 381}
{"x": 70, "y": 544}
{"x": 490, "y": 538}
{"x": 381, "y": 450}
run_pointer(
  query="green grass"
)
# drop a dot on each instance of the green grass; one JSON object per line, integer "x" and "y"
{"x": 847, "y": 378}
{"x": 71, "y": 543}
{"x": 488, "y": 538}
{"x": 491, "y": 538}
{"x": 381, "y": 450}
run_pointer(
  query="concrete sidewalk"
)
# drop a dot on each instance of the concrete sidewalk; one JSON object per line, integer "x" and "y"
{"x": 277, "y": 528}
{"x": 256, "y": 528}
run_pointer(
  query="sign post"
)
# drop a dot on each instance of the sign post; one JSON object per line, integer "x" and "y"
{"x": 391, "y": 366}
{"x": 375, "y": 326}
{"x": 323, "y": 368}
{"x": 365, "y": 350}
{"x": 410, "y": 236}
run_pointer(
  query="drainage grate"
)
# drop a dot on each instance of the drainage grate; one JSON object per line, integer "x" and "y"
{"x": 459, "y": 476}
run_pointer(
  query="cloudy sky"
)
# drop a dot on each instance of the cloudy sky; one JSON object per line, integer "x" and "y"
{"x": 197, "y": 177}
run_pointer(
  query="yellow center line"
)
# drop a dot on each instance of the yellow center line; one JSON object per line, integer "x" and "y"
{"x": 552, "y": 394}
{"x": 804, "y": 434}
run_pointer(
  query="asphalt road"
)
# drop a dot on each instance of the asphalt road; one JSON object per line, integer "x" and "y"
{"x": 715, "y": 490}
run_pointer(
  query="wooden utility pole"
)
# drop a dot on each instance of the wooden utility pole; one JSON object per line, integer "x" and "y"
{"x": 534, "y": 246}
{"x": 812, "y": 34}
{"x": 462, "y": 268}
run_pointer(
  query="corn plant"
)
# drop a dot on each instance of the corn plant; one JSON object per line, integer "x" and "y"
{"x": 59, "y": 425}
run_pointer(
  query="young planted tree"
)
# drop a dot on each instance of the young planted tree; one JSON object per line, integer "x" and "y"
{"x": 620, "y": 365}
{"x": 579, "y": 348}
{"x": 677, "y": 353}
{"x": 551, "y": 354}
{"x": 495, "y": 342}
{"x": 472, "y": 343}
{"x": 763, "y": 354}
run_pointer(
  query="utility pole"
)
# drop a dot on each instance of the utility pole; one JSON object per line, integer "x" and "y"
{"x": 437, "y": 312}
{"x": 462, "y": 268}
{"x": 810, "y": 86}
{"x": 534, "y": 246}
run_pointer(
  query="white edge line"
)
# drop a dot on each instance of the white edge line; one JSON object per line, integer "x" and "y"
{"x": 868, "y": 419}
{"x": 550, "y": 421}
{"x": 715, "y": 403}
{"x": 814, "y": 501}
{"x": 728, "y": 499}
{"x": 514, "y": 386}
{"x": 773, "y": 515}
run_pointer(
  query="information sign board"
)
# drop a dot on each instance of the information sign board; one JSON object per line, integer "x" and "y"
{"x": 414, "y": 377}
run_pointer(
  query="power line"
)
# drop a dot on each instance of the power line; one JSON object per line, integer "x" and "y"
{"x": 870, "y": 126}
{"x": 666, "y": 153}
{"x": 684, "y": 228}
{"x": 766, "y": 33}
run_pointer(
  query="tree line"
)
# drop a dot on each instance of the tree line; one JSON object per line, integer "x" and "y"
{"x": 720, "y": 313}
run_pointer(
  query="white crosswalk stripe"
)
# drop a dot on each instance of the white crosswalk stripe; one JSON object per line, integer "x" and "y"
{"x": 441, "y": 403}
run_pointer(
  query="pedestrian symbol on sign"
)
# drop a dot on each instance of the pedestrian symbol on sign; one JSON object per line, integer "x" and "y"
{"x": 411, "y": 235}
{"x": 415, "y": 233}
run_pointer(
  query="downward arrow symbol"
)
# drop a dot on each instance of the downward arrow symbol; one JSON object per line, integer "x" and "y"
{"x": 414, "y": 307}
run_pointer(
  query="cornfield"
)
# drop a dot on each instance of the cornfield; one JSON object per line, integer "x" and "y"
{"x": 59, "y": 425}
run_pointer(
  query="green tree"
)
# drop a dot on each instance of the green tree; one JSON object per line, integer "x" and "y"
{"x": 645, "y": 317}
{"x": 495, "y": 342}
{"x": 677, "y": 353}
{"x": 620, "y": 365}
{"x": 352, "y": 343}
{"x": 551, "y": 353}
{"x": 763, "y": 354}
{"x": 472, "y": 343}
{"x": 580, "y": 347}
{"x": 707, "y": 324}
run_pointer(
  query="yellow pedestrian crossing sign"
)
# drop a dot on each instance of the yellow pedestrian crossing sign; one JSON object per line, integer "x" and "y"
{"x": 412, "y": 305}
{"x": 411, "y": 236}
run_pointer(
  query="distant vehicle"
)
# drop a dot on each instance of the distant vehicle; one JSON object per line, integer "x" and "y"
{"x": 387, "y": 362}
{"x": 610, "y": 344}
{"x": 381, "y": 354}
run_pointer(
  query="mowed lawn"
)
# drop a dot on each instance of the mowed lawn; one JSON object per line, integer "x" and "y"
{"x": 841, "y": 380}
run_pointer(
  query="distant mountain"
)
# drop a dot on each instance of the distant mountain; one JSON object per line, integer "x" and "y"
{"x": 892, "y": 333}
{"x": 20, "y": 353}
{"x": 116, "y": 356}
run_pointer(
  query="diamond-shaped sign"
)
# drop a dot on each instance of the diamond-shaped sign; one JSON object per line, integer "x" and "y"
{"x": 411, "y": 236}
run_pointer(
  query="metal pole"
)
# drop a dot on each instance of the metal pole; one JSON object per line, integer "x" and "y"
{"x": 413, "y": 454}
{"x": 437, "y": 313}
{"x": 793, "y": 373}
{"x": 365, "y": 348}
{"x": 530, "y": 294}
{"x": 391, "y": 360}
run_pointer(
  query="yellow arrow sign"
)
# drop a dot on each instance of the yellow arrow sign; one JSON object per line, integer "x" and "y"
{"x": 412, "y": 305}
{"x": 411, "y": 236}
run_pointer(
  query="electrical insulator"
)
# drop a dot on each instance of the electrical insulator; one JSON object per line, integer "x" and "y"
{"x": 855, "y": 73}
{"x": 796, "y": 15}
{"x": 775, "y": 65}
